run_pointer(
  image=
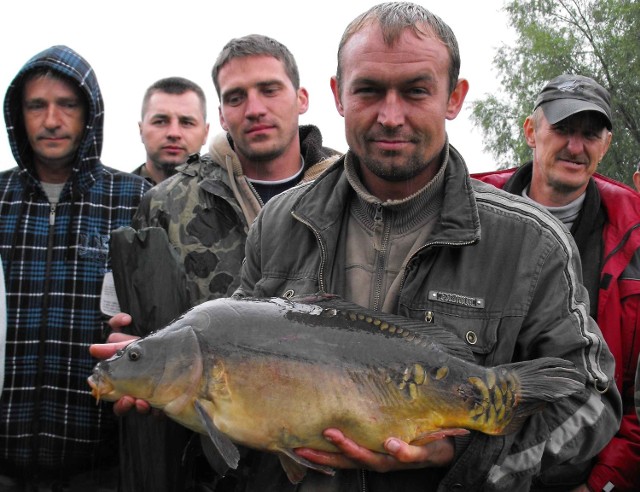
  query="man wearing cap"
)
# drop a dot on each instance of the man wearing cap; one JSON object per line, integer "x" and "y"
{"x": 569, "y": 133}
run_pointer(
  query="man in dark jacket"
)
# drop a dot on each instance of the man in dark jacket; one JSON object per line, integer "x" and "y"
{"x": 207, "y": 207}
{"x": 569, "y": 133}
{"x": 57, "y": 209}
{"x": 397, "y": 225}
{"x": 173, "y": 126}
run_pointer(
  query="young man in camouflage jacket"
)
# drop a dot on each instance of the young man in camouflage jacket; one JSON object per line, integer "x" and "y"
{"x": 208, "y": 206}
{"x": 206, "y": 210}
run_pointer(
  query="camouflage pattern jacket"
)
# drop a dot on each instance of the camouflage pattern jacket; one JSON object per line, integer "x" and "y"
{"x": 207, "y": 207}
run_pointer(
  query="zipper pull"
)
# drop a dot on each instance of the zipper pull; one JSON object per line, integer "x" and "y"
{"x": 378, "y": 228}
{"x": 52, "y": 214}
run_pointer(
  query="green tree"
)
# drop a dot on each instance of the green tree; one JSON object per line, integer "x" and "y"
{"x": 597, "y": 38}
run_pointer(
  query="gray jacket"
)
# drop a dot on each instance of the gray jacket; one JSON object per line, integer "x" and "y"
{"x": 499, "y": 272}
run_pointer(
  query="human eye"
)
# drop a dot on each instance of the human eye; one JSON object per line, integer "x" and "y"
{"x": 271, "y": 89}
{"x": 418, "y": 91}
{"x": 69, "y": 105}
{"x": 560, "y": 129}
{"x": 365, "y": 90}
{"x": 592, "y": 133}
{"x": 234, "y": 99}
{"x": 35, "y": 105}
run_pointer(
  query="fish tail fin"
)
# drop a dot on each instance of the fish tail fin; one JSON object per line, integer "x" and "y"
{"x": 542, "y": 381}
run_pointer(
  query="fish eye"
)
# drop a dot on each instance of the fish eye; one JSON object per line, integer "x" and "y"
{"x": 134, "y": 355}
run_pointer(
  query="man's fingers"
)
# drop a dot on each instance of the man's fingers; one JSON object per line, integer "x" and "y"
{"x": 121, "y": 337}
{"x": 333, "y": 460}
{"x": 142, "y": 406}
{"x": 118, "y": 321}
{"x": 127, "y": 403}
{"x": 124, "y": 405}
{"x": 106, "y": 350}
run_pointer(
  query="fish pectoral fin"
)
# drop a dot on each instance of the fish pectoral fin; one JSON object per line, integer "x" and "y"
{"x": 225, "y": 454}
{"x": 431, "y": 436}
{"x": 296, "y": 466}
{"x": 214, "y": 458}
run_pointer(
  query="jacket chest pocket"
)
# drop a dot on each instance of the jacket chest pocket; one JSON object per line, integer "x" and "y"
{"x": 479, "y": 333}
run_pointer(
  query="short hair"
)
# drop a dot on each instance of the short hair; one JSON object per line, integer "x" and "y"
{"x": 256, "y": 45}
{"x": 177, "y": 86}
{"x": 536, "y": 117}
{"x": 393, "y": 18}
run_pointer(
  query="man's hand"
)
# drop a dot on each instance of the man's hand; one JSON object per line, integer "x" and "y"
{"x": 117, "y": 341}
{"x": 438, "y": 452}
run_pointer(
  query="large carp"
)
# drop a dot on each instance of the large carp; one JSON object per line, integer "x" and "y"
{"x": 272, "y": 374}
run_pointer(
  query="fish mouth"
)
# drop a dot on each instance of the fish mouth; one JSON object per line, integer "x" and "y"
{"x": 101, "y": 388}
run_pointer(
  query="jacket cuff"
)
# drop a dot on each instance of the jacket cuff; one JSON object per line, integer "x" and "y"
{"x": 460, "y": 444}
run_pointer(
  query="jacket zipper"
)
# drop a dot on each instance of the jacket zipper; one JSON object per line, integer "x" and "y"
{"x": 381, "y": 233}
{"x": 323, "y": 252}
{"x": 256, "y": 194}
{"x": 42, "y": 336}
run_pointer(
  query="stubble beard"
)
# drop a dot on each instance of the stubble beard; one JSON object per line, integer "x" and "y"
{"x": 562, "y": 187}
{"x": 167, "y": 168}
{"x": 395, "y": 173}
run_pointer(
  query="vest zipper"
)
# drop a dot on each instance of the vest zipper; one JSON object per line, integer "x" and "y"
{"x": 42, "y": 336}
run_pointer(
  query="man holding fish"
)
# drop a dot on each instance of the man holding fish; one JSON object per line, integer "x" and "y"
{"x": 397, "y": 226}
{"x": 406, "y": 231}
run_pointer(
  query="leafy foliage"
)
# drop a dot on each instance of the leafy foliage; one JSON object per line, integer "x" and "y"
{"x": 597, "y": 38}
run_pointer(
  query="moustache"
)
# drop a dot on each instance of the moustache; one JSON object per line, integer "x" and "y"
{"x": 573, "y": 158}
{"x": 50, "y": 135}
{"x": 392, "y": 135}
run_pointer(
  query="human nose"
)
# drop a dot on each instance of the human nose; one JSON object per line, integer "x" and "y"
{"x": 391, "y": 113}
{"x": 174, "y": 131}
{"x": 52, "y": 117}
{"x": 575, "y": 143}
{"x": 255, "y": 107}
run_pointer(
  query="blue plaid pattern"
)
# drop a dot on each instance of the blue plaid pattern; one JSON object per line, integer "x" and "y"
{"x": 63, "y": 306}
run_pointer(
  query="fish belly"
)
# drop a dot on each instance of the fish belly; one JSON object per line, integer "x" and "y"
{"x": 278, "y": 404}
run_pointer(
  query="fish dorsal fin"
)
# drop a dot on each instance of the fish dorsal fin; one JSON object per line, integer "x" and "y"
{"x": 296, "y": 466}
{"x": 227, "y": 452}
{"x": 413, "y": 330}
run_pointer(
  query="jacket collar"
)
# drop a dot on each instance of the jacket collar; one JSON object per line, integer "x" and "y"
{"x": 621, "y": 203}
{"x": 322, "y": 203}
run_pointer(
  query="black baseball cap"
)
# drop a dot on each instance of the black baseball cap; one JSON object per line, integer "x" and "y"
{"x": 570, "y": 94}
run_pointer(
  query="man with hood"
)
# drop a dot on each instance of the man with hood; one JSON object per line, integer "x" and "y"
{"x": 57, "y": 209}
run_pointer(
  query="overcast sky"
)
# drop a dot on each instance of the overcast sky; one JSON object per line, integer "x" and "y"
{"x": 134, "y": 43}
